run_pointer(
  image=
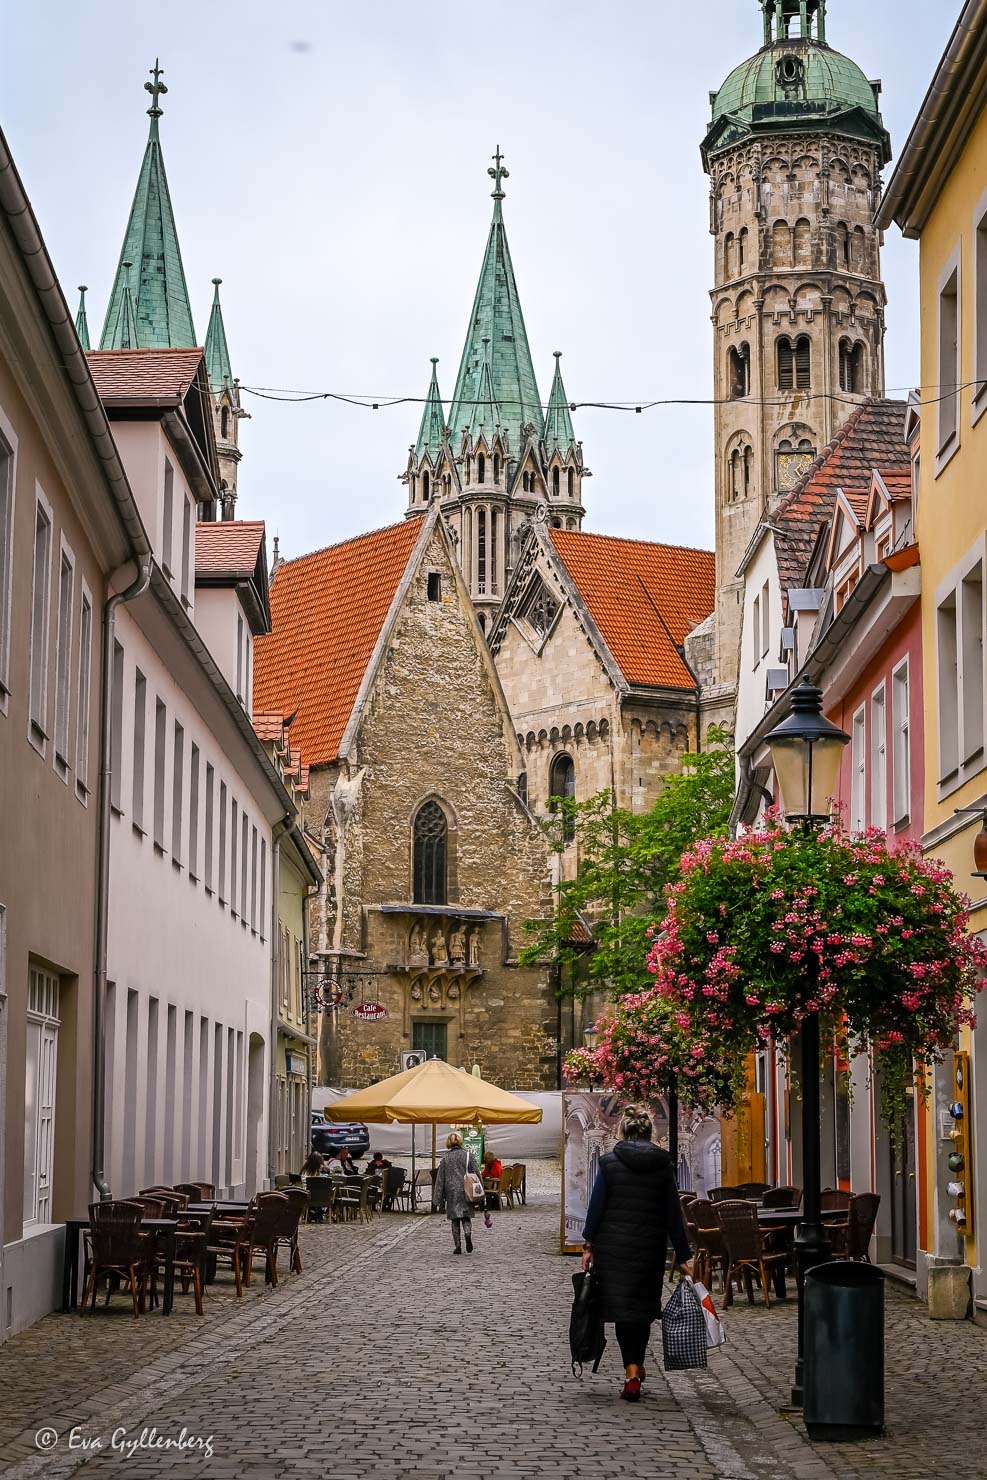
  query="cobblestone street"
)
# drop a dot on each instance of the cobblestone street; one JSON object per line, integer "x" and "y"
{"x": 389, "y": 1357}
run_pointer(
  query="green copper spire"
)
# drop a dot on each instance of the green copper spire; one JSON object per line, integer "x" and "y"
{"x": 500, "y": 377}
{"x": 558, "y": 422}
{"x": 217, "y": 350}
{"x": 163, "y": 316}
{"x": 81, "y": 322}
{"x": 432, "y": 429}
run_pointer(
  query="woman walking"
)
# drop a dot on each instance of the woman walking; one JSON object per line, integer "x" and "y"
{"x": 449, "y": 1192}
{"x": 633, "y": 1212}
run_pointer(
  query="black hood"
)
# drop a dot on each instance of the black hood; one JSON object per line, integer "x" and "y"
{"x": 642, "y": 1156}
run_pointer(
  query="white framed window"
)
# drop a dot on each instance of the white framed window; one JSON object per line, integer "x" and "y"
{"x": 960, "y": 682}
{"x": 8, "y": 472}
{"x": 140, "y": 745}
{"x": 186, "y": 552}
{"x": 756, "y": 631}
{"x": 949, "y": 321}
{"x": 262, "y": 928}
{"x": 765, "y": 621}
{"x": 253, "y": 880}
{"x": 40, "y": 1068}
{"x": 168, "y": 519}
{"x": 979, "y": 396}
{"x": 858, "y": 771}
{"x": 40, "y": 609}
{"x": 177, "y": 794}
{"x": 210, "y": 803}
{"x": 878, "y": 759}
{"x": 193, "y": 815}
{"x": 63, "y": 657}
{"x": 234, "y": 838}
{"x": 901, "y": 743}
{"x": 84, "y": 694}
{"x": 222, "y": 843}
{"x": 116, "y": 728}
{"x": 244, "y": 898}
{"x": 160, "y": 745}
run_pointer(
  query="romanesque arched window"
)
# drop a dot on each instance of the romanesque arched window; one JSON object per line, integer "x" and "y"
{"x": 739, "y": 371}
{"x": 430, "y": 850}
{"x": 794, "y": 363}
{"x": 803, "y": 244}
{"x": 781, "y": 244}
{"x": 562, "y": 787}
{"x": 729, "y": 248}
{"x": 748, "y": 471}
{"x": 852, "y": 367}
{"x": 842, "y": 246}
{"x": 742, "y": 239}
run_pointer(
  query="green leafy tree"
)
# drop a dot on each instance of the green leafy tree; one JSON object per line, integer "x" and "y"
{"x": 626, "y": 861}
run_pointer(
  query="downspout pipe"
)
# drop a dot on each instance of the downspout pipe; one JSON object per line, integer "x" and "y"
{"x": 135, "y": 589}
{"x": 284, "y": 826}
{"x": 309, "y": 895}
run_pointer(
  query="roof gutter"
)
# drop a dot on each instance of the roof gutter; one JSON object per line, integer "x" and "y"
{"x": 24, "y": 226}
{"x": 949, "y": 104}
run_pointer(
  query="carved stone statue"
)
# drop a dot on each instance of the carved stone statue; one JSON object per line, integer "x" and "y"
{"x": 474, "y": 948}
{"x": 457, "y": 945}
{"x": 418, "y": 947}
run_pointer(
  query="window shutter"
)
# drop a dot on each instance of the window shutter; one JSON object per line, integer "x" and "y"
{"x": 803, "y": 364}
{"x": 786, "y": 381}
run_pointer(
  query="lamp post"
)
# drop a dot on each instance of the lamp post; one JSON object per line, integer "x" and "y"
{"x": 805, "y": 752}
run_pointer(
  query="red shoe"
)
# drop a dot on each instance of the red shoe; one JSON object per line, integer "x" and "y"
{"x": 631, "y": 1390}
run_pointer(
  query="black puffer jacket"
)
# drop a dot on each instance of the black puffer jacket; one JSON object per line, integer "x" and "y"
{"x": 634, "y": 1211}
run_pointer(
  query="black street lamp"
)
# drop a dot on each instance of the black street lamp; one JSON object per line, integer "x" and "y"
{"x": 805, "y": 752}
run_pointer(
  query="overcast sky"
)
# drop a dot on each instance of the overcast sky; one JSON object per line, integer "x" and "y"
{"x": 329, "y": 161}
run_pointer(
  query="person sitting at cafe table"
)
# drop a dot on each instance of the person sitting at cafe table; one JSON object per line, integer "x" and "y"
{"x": 377, "y": 1162}
{"x": 313, "y": 1166}
{"x": 492, "y": 1171}
{"x": 343, "y": 1164}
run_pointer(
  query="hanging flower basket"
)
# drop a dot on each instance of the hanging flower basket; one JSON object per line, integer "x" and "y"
{"x": 766, "y": 928}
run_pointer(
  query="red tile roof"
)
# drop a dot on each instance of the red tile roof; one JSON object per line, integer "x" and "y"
{"x": 228, "y": 547}
{"x": 644, "y": 598}
{"x": 143, "y": 374}
{"x": 269, "y": 727}
{"x": 898, "y": 482}
{"x": 872, "y": 437}
{"x": 327, "y": 611}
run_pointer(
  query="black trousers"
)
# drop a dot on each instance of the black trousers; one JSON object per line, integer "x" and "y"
{"x": 632, "y": 1338}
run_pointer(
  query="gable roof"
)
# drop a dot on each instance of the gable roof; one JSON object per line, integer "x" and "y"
{"x": 127, "y": 376}
{"x": 328, "y": 610}
{"x": 228, "y": 547}
{"x": 644, "y": 599}
{"x": 872, "y": 437}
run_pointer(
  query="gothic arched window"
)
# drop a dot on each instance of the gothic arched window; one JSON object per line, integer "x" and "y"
{"x": 555, "y": 482}
{"x": 224, "y": 423}
{"x": 425, "y": 486}
{"x": 562, "y": 787}
{"x": 481, "y": 552}
{"x": 496, "y": 467}
{"x": 571, "y": 483}
{"x": 430, "y": 847}
{"x": 481, "y": 469}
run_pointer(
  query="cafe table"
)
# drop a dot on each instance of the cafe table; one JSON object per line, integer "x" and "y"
{"x": 164, "y": 1230}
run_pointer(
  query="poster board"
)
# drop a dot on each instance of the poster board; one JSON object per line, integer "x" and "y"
{"x": 590, "y": 1121}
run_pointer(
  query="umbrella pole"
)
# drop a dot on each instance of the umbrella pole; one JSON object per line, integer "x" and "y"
{"x": 433, "y": 1145}
{"x": 414, "y": 1190}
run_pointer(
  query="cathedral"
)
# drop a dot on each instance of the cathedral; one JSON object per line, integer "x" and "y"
{"x": 794, "y": 153}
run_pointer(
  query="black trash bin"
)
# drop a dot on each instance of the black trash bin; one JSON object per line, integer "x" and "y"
{"x": 844, "y": 1351}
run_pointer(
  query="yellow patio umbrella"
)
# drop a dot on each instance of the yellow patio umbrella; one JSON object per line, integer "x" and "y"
{"x": 433, "y": 1093}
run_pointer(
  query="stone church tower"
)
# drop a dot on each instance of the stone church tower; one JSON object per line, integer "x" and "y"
{"x": 500, "y": 459}
{"x": 794, "y": 154}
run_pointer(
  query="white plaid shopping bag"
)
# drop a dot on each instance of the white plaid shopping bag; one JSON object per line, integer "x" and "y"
{"x": 683, "y": 1329}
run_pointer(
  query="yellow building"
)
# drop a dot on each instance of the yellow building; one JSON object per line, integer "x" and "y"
{"x": 938, "y": 194}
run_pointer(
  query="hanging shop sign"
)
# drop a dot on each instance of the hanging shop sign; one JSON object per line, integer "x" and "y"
{"x": 370, "y": 1012}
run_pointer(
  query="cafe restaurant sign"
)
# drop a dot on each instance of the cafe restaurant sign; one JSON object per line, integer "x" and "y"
{"x": 370, "y": 1012}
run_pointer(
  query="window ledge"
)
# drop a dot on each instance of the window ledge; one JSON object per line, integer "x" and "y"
{"x": 978, "y": 404}
{"x": 176, "y": 864}
{"x": 158, "y": 848}
{"x": 975, "y": 755}
{"x": 140, "y": 831}
{"x": 82, "y": 793}
{"x": 116, "y": 809}
{"x": 193, "y": 878}
{"x": 209, "y": 890}
{"x": 946, "y": 454}
{"x": 901, "y": 822}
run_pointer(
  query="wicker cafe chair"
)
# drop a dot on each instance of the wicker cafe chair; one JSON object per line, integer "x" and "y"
{"x": 834, "y": 1200}
{"x": 782, "y": 1197}
{"x": 711, "y": 1253}
{"x": 297, "y": 1203}
{"x": 191, "y": 1248}
{"x": 120, "y": 1251}
{"x": 860, "y": 1225}
{"x": 747, "y": 1252}
{"x": 196, "y": 1191}
{"x": 227, "y": 1241}
{"x": 264, "y": 1227}
{"x": 724, "y": 1194}
{"x": 755, "y": 1190}
{"x": 319, "y": 1193}
{"x": 151, "y": 1207}
{"x": 502, "y": 1187}
{"x": 391, "y": 1182}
